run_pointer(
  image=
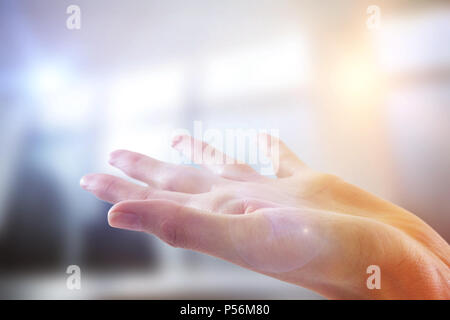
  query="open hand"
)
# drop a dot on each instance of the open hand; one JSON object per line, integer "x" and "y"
{"x": 304, "y": 227}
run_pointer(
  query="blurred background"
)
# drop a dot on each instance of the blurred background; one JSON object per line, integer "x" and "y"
{"x": 359, "y": 91}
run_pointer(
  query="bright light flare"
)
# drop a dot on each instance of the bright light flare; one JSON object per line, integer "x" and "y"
{"x": 355, "y": 80}
{"x": 62, "y": 101}
{"x": 139, "y": 94}
{"x": 48, "y": 79}
{"x": 276, "y": 66}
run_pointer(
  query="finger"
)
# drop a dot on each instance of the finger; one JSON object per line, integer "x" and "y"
{"x": 272, "y": 241}
{"x": 114, "y": 189}
{"x": 179, "y": 226}
{"x": 207, "y": 156}
{"x": 285, "y": 162}
{"x": 161, "y": 174}
{"x": 326, "y": 251}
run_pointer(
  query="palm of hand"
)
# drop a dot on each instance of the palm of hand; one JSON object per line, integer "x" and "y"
{"x": 304, "y": 227}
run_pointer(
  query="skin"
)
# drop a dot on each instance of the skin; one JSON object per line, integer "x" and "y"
{"x": 304, "y": 227}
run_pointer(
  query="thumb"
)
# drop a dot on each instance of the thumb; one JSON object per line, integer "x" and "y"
{"x": 179, "y": 226}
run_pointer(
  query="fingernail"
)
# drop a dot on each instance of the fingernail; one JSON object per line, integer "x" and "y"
{"x": 84, "y": 182}
{"x": 113, "y": 156}
{"x": 124, "y": 220}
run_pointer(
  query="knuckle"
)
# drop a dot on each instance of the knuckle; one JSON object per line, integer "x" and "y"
{"x": 237, "y": 206}
{"x": 133, "y": 158}
{"x": 205, "y": 147}
{"x": 227, "y": 201}
{"x": 170, "y": 180}
{"x": 147, "y": 193}
{"x": 243, "y": 167}
{"x": 328, "y": 179}
{"x": 249, "y": 205}
{"x": 108, "y": 185}
{"x": 313, "y": 183}
{"x": 222, "y": 196}
{"x": 169, "y": 184}
{"x": 132, "y": 162}
{"x": 318, "y": 178}
{"x": 173, "y": 233}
